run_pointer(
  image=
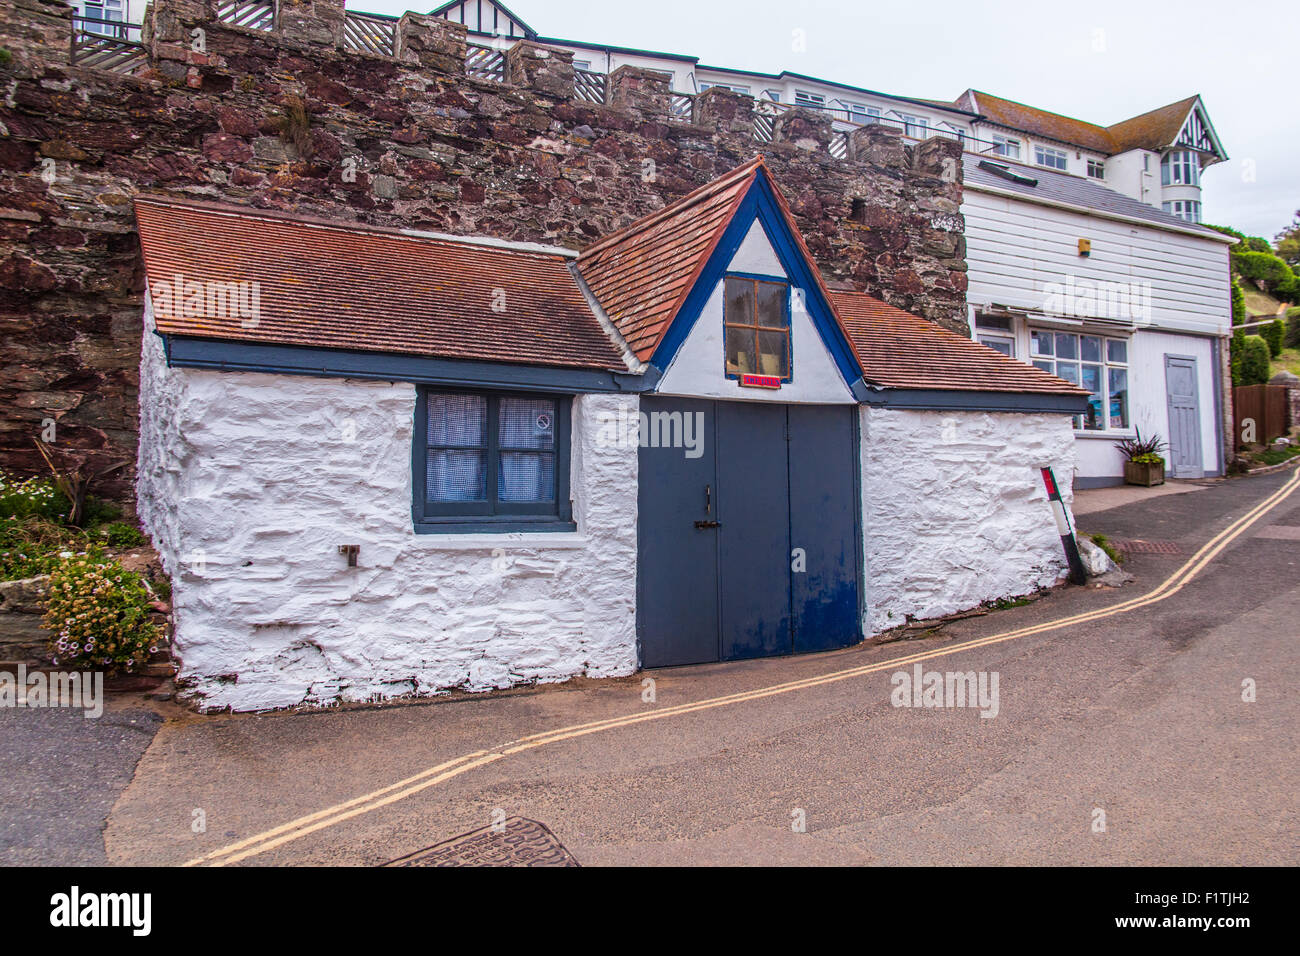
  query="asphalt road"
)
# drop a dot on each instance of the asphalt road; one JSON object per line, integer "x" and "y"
{"x": 1138, "y": 715}
{"x": 59, "y": 776}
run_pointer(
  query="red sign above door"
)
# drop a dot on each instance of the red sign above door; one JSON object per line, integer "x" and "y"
{"x": 760, "y": 381}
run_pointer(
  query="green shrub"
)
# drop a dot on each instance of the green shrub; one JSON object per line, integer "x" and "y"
{"x": 1227, "y": 231}
{"x": 119, "y": 534}
{"x": 31, "y": 498}
{"x": 1261, "y": 267}
{"x": 1293, "y": 328}
{"x": 1255, "y": 244}
{"x": 1254, "y": 361}
{"x": 1288, "y": 290}
{"x": 1274, "y": 333}
{"x": 1236, "y": 350}
{"x": 99, "y": 614}
{"x": 1238, "y": 302}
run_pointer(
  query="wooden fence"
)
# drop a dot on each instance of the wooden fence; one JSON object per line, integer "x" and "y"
{"x": 1260, "y": 411}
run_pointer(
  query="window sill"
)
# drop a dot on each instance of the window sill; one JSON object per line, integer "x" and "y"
{"x": 496, "y": 529}
{"x": 1114, "y": 435}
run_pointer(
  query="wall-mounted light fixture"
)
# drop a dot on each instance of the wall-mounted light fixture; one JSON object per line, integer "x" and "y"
{"x": 351, "y": 550}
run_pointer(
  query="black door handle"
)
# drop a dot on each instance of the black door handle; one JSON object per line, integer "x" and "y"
{"x": 708, "y": 524}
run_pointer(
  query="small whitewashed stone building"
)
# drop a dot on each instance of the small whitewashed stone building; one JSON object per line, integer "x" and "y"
{"x": 381, "y": 462}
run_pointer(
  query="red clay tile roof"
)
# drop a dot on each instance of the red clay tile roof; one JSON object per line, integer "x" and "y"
{"x": 1030, "y": 119}
{"x": 642, "y": 274}
{"x": 900, "y": 350}
{"x": 359, "y": 287}
{"x": 1153, "y": 130}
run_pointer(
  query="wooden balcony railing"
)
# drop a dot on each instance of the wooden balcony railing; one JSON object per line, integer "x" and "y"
{"x": 485, "y": 62}
{"x": 111, "y": 45}
{"x": 253, "y": 14}
{"x": 370, "y": 33}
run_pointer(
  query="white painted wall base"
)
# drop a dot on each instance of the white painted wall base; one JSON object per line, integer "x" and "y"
{"x": 249, "y": 482}
{"x": 954, "y": 510}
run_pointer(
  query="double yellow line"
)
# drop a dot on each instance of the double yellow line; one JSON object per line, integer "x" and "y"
{"x": 368, "y": 803}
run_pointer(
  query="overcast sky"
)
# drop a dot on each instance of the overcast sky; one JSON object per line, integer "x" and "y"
{"x": 1097, "y": 61}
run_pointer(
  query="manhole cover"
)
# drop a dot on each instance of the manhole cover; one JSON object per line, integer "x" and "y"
{"x": 1138, "y": 546}
{"x": 517, "y": 842}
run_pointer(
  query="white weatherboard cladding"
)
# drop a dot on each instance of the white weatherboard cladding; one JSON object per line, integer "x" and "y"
{"x": 1016, "y": 248}
{"x": 697, "y": 370}
{"x": 248, "y": 484}
{"x": 954, "y": 509}
{"x": 1149, "y": 408}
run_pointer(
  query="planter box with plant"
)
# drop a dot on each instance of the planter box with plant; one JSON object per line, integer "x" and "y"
{"x": 1143, "y": 463}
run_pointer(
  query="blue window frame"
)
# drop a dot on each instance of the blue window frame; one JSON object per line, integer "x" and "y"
{"x": 491, "y": 461}
{"x": 756, "y": 326}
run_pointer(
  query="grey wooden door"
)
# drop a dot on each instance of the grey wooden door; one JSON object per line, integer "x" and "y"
{"x": 754, "y": 540}
{"x": 1184, "y": 417}
{"x": 677, "y": 544}
{"x": 716, "y": 533}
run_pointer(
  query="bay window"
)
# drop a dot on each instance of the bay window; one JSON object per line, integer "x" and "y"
{"x": 1182, "y": 167}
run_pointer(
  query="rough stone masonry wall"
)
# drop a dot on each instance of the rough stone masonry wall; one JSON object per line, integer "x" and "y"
{"x": 954, "y": 512}
{"x": 289, "y": 120}
{"x": 250, "y": 482}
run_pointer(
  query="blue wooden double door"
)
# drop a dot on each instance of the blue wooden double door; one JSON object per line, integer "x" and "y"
{"x": 747, "y": 541}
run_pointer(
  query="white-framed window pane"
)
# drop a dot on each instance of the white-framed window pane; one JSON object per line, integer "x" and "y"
{"x": 1118, "y": 390}
{"x": 1091, "y": 380}
{"x": 1006, "y": 346}
{"x": 1045, "y": 366}
{"x": 1067, "y": 345}
{"x": 1117, "y": 351}
{"x": 1068, "y": 371}
{"x": 1090, "y": 348}
{"x": 1040, "y": 343}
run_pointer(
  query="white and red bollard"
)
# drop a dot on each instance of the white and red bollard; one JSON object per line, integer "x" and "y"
{"x": 1077, "y": 573}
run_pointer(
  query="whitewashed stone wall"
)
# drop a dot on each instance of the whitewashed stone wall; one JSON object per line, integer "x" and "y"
{"x": 954, "y": 509}
{"x": 248, "y": 483}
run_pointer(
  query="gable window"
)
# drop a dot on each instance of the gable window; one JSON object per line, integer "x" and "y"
{"x": 1006, "y": 146}
{"x": 1053, "y": 158}
{"x": 491, "y": 462}
{"x": 756, "y": 327}
{"x": 1182, "y": 167}
{"x": 1094, "y": 362}
{"x": 1096, "y": 169}
{"x": 1189, "y": 209}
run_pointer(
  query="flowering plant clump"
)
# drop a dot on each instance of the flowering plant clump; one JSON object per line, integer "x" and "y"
{"x": 99, "y": 614}
{"x": 32, "y": 497}
{"x": 32, "y": 546}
